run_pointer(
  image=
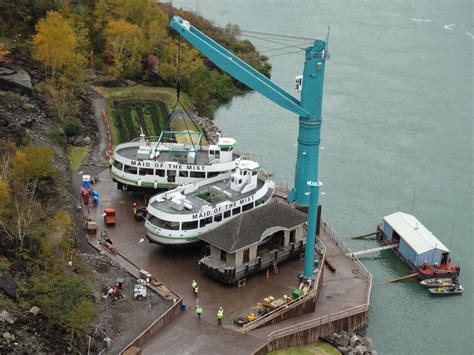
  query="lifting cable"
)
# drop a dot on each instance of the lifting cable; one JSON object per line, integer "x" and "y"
{"x": 179, "y": 103}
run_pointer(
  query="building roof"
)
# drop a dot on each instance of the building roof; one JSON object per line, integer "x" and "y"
{"x": 414, "y": 233}
{"x": 249, "y": 227}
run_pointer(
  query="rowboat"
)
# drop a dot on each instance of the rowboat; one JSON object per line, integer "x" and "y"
{"x": 438, "y": 282}
{"x": 444, "y": 291}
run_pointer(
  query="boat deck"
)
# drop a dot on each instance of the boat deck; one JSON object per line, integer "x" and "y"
{"x": 202, "y": 157}
{"x": 177, "y": 267}
{"x": 198, "y": 202}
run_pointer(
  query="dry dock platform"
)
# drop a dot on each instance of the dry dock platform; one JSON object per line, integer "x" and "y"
{"x": 342, "y": 304}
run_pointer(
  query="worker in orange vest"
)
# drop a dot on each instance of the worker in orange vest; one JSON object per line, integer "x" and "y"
{"x": 135, "y": 208}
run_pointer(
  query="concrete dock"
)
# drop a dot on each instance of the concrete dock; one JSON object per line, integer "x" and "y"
{"x": 344, "y": 290}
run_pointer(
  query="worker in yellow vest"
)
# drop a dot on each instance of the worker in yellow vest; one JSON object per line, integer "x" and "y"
{"x": 194, "y": 284}
{"x": 220, "y": 315}
{"x": 198, "y": 311}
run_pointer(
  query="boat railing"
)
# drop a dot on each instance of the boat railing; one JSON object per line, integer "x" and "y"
{"x": 260, "y": 321}
{"x": 345, "y": 248}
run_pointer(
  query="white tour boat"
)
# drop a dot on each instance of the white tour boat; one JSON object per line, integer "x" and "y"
{"x": 180, "y": 215}
{"x": 152, "y": 164}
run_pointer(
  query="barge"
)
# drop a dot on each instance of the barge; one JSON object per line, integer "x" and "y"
{"x": 151, "y": 163}
{"x": 417, "y": 246}
{"x": 180, "y": 215}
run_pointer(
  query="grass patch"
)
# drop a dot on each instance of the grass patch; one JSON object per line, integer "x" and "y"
{"x": 145, "y": 108}
{"x": 76, "y": 156}
{"x": 182, "y": 125}
{"x": 318, "y": 348}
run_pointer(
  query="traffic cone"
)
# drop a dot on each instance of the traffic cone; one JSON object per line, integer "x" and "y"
{"x": 268, "y": 273}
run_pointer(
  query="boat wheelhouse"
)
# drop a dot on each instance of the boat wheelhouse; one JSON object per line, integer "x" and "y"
{"x": 180, "y": 215}
{"x": 153, "y": 164}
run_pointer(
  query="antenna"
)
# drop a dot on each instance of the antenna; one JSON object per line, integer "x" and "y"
{"x": 327, "y": 38}
{"x": 452, "y": 234}
{"x": 413, "y": 202}
{"x": 142, "y": 135}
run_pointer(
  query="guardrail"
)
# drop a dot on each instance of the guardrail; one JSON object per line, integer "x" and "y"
{"x": 290, "y": 305}
{"x": 340, "y": 242}
{"x": 317, "y": 322}
{"x": 312, "y": 323}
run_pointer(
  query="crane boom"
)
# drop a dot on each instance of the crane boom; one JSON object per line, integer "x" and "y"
{"x": 236, "y": 67}
{"x": 306, "y": 189}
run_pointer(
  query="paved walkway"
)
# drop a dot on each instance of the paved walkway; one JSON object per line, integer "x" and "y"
{"x": 177, "y": 267}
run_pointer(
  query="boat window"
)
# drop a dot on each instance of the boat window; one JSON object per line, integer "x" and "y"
{"x": 205, "y": 221}
{"x": 226, "y": 214}
{"x": 236, "y": 211}
{"x": 183, "y": 173}
{"x": 226, "y": 149}
{"x": 255, "y": 172}
{"x": 162, "y": 223}
{"x": 218, "y": 217}
{"x": 118, "y": 165}
{"x": 171, "y": 225}
{"x": 240, "y": 181}
{"x": 130, "y": 169}
{"x": 244, "y": 172}
{"x": 198, "y": 174}
{"x": 171, "y": 175}
{"x": 143, "y": 171}
{"x": 211, "y": 174}
{"x": 160, "y": 172}
{"x": 190, "y": 225}
{"x": 247, "y": 207}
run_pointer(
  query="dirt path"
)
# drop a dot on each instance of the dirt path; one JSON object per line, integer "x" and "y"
{"x": 97, "y": 155}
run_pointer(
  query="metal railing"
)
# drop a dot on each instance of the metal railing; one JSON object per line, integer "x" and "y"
{"x": 340, "y": 242}
{"x": 312, "y": 323}
{"x": 290, "y": 305}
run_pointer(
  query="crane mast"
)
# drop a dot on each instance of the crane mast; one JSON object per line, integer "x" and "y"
{"x": 306, "y": 186}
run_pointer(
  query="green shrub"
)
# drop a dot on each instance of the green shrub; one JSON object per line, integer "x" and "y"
{"x": 56, "y": 135}
{"x": 73, "y": 128}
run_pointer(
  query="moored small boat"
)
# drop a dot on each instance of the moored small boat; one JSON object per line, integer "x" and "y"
{"x": 444, "y": 291}
{"x": 438, "y": 282}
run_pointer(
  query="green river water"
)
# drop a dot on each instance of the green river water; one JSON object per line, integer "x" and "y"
{"x": 397, "y": 119}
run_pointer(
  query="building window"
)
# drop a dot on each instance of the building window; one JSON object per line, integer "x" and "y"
{"x": 246, "y": 256}
{"x": 130, "y": 169}
{"x": 183, "y": 173}
{"x": 218, "y": 217}
{"x": 226, "y": 214}
{"x": 235, "y": 211}
{"x": 203, "y": 222}
{"x": 198, "y": 174}
{"x": 143, "y": 171}
{"x": 247, "y": 207}
{"x": 223, "y": 256}
{"x": 190, "y": 225}
{"x": 118, "y": 165}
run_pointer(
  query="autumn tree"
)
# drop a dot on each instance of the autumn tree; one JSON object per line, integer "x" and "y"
{"x": 125, "y": 47}
{"x": 55, "y": 44}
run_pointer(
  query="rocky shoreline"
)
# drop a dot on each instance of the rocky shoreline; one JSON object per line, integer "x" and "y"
{"x": 351, "y": 343}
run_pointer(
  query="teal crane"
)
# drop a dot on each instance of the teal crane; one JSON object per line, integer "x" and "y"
{"x": 306, "y": 187}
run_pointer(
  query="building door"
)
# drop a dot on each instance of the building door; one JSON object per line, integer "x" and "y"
{"x": 444, "y": 260}
{"x": 246, "y": 256}
{"x": 223, "y": 256}
{"x": 395, "y": 237}
{"x": 293, "y": 236}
